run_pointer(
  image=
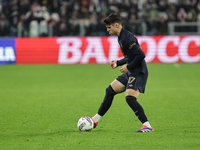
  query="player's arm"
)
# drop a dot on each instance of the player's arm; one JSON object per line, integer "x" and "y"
{"x": 121, "y": 62}
{"x": 115, "y": 63}
{"x": 139, "y": 56}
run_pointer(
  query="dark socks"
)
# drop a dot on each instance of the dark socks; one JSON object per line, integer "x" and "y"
{"x": 105, "y": 105}
{"x": 137, "y": 108}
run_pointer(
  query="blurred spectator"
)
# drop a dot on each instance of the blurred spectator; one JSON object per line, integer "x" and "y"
{"x": 66, "y": 3}
{"x": 101, "y": 26}
{"x": 53, "y": 24}
{"x": 35, "y": 6}
{"x": 124, "y": 5}
{"x": 3, "y": 17}
{"x": 24, "y": 6}
{"x": 4, "y": 29}
{"x": 55, "y": 7}
{"x": 172, "y": 17}
{"x": 104, "y": 7}
{"x": 141, "y": 4}
{"x": 198, "y": 6}
{"x": 133, "y": 25}
{"x": 192, "y": 16}
{"x": 43, "y": 30}
{"x": 76, "y": 6}
{"x": 198, "y": 17}
{"x": 198, "y": 10}
{"x": 45, "y": 3}
{"x": 152, "y": 25}
{"x": 5, "y": 8}
{"x": 63, "y": 12}
{"x": 142, "y": 13}
{"x": 93, "y": 26}
{"x": 34, "y": 12}
{"x": 113, "y": 5}
{"x": 123, "y": 10}
{"x": 192, "y": 11}
{"x": 44, "y": 14}
{"x": 163, "y": 6}
{"x": 144, "y": 5}
{"x": 133, "y": 8}
{"x": 182, "y": 4}
{"x": 116, "y": 11}
{"x": 153, "y": 11}
{"x": 14, "y": 9}
{"x": 84, "y": 26}
{"x": 85, "y": 17}
{"x": 162, "y": 24}
{"x": 74, "y": 24}
{"x": 85, "y": 4}
{"x": 94, "y": 7}
{"x": 34, "y": 29}
{"x": 84, "y": 10}
{"x": 13, "y": 28}
{"x": 182, "y": 15}
{"x": 63, "y": 27}
{"x": 22, "y": 27}
{"x": 123, "y": 14}
{"x": 103, "y": 1}
{"x": 192, "y": 5}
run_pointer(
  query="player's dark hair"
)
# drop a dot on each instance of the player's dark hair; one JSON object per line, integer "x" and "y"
{"x": 111, "y": 19}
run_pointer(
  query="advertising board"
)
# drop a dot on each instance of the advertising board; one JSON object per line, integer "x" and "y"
{"x": 97, "y": 50}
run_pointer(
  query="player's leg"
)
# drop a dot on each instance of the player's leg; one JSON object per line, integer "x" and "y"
{"x": 114, "y": 88}
{"x": 131, "y": 98}
{"x": 134, "y": 86}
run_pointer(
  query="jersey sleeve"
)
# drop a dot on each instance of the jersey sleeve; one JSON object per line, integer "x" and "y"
{"x": 131, "y": 44}
{"x": 121, "y": 62}
{"x": 134, "y": 48}
{"x": 139, "y": 56}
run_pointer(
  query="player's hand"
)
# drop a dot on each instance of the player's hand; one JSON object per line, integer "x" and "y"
{"x": 113, "y": 64}
{"x": 124, "y": 69}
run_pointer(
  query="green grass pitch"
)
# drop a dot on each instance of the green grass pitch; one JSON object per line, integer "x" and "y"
{"x": 41, "y": 104}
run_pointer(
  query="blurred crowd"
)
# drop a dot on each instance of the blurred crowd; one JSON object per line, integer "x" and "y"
{"x": 42, "y": 18}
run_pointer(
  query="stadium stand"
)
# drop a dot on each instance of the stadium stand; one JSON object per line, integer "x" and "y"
{"x": 85, "y": 17}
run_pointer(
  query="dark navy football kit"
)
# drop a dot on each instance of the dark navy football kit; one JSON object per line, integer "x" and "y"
{"x": 136, "y": 78}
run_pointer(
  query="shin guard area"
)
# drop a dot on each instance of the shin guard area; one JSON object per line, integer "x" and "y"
{"x": 105, "y": 105}
{"x": 137, "y": 108}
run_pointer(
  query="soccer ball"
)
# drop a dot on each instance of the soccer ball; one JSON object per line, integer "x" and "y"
{"x": 85, "y": 124}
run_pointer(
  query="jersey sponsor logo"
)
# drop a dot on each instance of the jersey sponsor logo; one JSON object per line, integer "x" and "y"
{"x": 7, "y": 51}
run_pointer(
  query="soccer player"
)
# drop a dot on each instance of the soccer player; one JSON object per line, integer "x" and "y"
{"x": 134, "y": 77}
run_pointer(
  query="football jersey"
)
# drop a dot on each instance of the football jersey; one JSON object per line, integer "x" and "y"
{"x": 132, "y": 52}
